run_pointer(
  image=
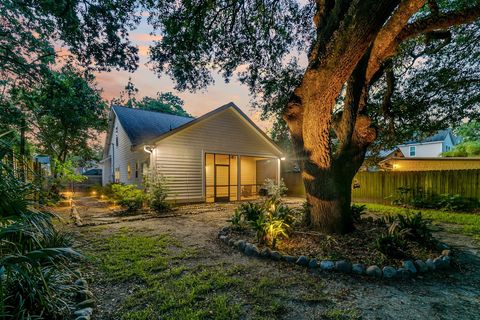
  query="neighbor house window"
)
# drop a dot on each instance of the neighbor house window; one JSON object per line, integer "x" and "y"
{"x": 129, "y": 171}
{"x": 136, "y": 170}
{"x": 117, "y": 174}
{"x": 413, "y": 151}
{"x": 447, "y": 148}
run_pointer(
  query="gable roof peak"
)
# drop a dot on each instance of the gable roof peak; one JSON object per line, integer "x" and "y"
{"x": 143, "y": 125}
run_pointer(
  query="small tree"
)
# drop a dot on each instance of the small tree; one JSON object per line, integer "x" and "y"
{"x": 157, "y": 192}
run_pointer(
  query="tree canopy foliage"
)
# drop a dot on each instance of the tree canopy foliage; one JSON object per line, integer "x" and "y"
{"x": 94, "y": 32}
{"x": 65, "y": 113}
{"x": 165, "y": 102}
{"x": 469, "y": 133}
{"x": 62, "y": 110}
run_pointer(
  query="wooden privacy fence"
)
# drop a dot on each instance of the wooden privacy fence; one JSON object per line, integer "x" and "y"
{"x": 381, "y": 187}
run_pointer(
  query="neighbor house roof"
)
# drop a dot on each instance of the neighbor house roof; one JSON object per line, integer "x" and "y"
{"x": 440, "y": 136}
{"x": 144, "y": 125}
{"x": 382, "y": 153}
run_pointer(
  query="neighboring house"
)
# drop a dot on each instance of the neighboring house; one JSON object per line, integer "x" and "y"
{"x": 430, "y": 163}
{"x": 432, "y": 146}
{"x": 372, "y": 160}
{"x": 220, "y": 156}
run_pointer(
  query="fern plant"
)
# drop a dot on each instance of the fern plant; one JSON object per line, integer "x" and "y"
{"x": 36, "y": 281}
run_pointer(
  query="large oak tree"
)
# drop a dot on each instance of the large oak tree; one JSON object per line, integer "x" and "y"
{"x": 314, "y": 62}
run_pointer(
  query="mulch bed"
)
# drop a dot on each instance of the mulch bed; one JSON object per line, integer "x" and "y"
{"x": 356, "y": 247}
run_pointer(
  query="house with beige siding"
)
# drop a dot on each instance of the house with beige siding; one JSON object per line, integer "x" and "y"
{"x": 220, "y": 156}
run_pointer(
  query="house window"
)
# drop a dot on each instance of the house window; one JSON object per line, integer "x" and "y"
{"x": 413, "y": 151}
{"x": 116, "y": 141}
{"x": 136, "y": 170}
{"x": 129, "y": 171}
{"x": 117, "y": 174}
{"x": 447, "y": 148}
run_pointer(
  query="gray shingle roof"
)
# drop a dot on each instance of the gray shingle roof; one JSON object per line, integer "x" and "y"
{"x": 439, "y": 136}
{"x": 144, "y": 125}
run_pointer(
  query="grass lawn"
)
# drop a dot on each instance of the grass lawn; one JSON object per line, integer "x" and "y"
{"x": 175, "y": 268}
{"x": 466, "y": 223}
{"x": 168, "y": 282}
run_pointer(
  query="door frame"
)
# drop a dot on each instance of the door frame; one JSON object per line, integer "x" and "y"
{"x": 215, "y": 197}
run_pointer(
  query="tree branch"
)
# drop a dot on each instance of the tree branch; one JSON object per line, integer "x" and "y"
{"x": 440, "y": 22}
{"x": 387, "y": 97}
{"x": 384, "y": 43}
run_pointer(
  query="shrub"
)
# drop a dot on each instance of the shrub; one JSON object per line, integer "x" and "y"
{"x": 357, "y": 211}
{"x": 36, "y": 281}
{"x": 280, "y": 211}
{"x": 457, "y": 203}
{"x": 270, "y": 220}
{"x": 422, "y": 200}
{"x": 128, "y": 196}
{"x": 304, "y": 213}
{"x": 400, "y": 197}
{"x": 273, "y": 189}
{"x": 107, "y": 190}
{"x": 274, "y": 229}
{"x": 251, "y": 211}
{"x": 157, "y": 192}
{"x": 391, "y": 245}
{"x": 410, "y": 227}
{"x": 414, "y": 227}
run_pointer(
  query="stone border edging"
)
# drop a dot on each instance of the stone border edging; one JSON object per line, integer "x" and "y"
{"x": 409, "y": 268}
{"x": 84, "y": 308}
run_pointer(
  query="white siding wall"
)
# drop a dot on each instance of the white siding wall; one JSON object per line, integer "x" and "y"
{"x": 424, "y": 150}
{"x": 106, "y": 172}
{"x": 180, "y": 157}
{"x": 122, "y": 155}
{"x": 447, "y": 143}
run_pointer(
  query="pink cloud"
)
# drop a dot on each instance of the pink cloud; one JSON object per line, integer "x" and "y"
{"x": 145, "y": 37}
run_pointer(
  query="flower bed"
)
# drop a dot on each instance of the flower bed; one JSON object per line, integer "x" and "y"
{"x": 407, "y": 268}
{"x": 395, "y": 246}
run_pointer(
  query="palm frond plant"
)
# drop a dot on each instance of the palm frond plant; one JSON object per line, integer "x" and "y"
{"x": 36, "y": 277}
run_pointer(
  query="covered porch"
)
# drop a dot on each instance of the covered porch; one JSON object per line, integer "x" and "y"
{"x": 232, "y": 177}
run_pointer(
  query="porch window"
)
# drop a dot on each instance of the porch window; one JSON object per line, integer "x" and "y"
{"x": 129, "y": 171}
{"x": 136, "y": 169}
{"x": 222, "y": 179}
{"x": 254, "y": 171}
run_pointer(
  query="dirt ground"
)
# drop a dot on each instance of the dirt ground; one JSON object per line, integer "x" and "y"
{"x": 451, "y": 295}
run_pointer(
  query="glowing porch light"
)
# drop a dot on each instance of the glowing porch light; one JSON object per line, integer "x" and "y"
{"x": 283, "y": 158}
{"x": 148, "y": 149}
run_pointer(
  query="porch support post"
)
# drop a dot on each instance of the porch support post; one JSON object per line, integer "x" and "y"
{"x": 278, "y": 171}
{"x": 239, "y": 175}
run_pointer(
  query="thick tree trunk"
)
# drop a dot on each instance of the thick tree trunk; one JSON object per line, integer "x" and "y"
{"x": 331, "y": 148}
{"x": 329, "y": 202}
